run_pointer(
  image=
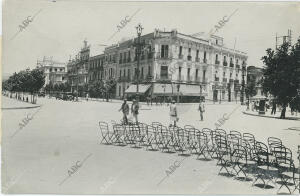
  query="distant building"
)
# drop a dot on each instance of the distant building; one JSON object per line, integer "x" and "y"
{"x": 78, "y": 70}
{"x": 55, "y": 72}
{"x": 255, "y": 74}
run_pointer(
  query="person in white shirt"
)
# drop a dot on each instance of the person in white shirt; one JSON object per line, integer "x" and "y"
{"x": 201, "y": 108}
{"x": 173, "y": 114}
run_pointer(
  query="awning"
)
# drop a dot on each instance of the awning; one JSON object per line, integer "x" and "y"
{"x": 164, "y": 89}
{"x": 142, "y": 88}
{"x": 258, "y": 97}
{"x": 190, "y": 90}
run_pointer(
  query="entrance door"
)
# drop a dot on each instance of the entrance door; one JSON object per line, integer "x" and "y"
{"x": 215, "y": 95}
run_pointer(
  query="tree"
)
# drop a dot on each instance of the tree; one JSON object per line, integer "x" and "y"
{"x": 282, "y": 75}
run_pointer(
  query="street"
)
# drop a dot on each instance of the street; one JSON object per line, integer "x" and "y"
{"x": 62, "y": 134}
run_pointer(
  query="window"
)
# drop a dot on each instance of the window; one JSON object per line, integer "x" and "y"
{"x": 224, "y": 58}
{"x": 119, "y": 90}
{"x": 179, "y": 71}
{"x": 142, "y": 72}
{"x": 217, "y": 57}
{"x": 149, "y": 70}
{"x": 204, "y": 55}
{"x": 124, "y": 60}
{"x": 164, "y": 51}
{"x": 230, "y": 75}
{"x": 190, "y": 51}
{"x": 216, "y": 41}
{"x": 120, "y": 60}
{"x": 197, "y": 54}
{"x": 196, "y": 74}
{"x": 55, "y": 70}
{"x": 180, "y": 50}
{"x": 223, "y": 74}
{"x": 164, "y": 72}
{"x": 129, "y": 57}
{"x": 188, "y": 73}
{"x": 204, "y": 72}
{"x": 128, "y": 73}
{"x": 120, "y": 73}
{"x": 124, "y": 72}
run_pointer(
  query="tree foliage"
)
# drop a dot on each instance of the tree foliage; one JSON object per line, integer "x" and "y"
{"x": 282, "y": 74}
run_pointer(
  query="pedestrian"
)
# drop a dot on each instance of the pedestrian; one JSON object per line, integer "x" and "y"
{"x": 273, "y": 107}
{"x": 201, "y": 109}
{"x": 87, "y": 97}
{"x": 135, "y": 110}
{"x": 173, "y": 114}
{"x": 125, "y": 110}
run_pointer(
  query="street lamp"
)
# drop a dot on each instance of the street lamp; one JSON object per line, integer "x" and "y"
{"x": 139, "y": 30}
{"x": 243, "y": 84}
{"x": 178, "y": 87}
{"x": 164, "y": 87}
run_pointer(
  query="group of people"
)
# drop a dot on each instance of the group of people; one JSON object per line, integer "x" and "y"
{"x": 134, "y": 110}
{"x": 173, "y": 111}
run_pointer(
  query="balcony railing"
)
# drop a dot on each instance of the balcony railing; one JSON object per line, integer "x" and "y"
{"x": 216, "y": 79}
{"x": 180, "y": 56}
{"x": 231, "y": 64}
{"x": 224, "y": 63}
{"x": 224, "y": 79}
{"x": 189, "y": 57}
{"x": 231, "y": 80}
{"x": 204, "y": 80}
{"x": 197, "y": 59}
{"x": 217, "y": 62}
{"x": 237, "y": 66}
{"x": 204, "y": 60}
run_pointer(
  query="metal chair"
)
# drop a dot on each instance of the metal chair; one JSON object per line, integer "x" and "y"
{"x": 107, "y": 136}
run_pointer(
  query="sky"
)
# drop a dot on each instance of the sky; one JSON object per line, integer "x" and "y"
{"x": 60, "y": 26}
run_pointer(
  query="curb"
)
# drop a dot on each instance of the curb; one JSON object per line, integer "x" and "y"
{"x": 17, "y": 108}
{"x": 287, "y": 118}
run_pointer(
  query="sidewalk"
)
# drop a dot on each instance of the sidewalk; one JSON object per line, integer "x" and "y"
{"x": 288, "y": 115}
{"x": 12, "y": 103}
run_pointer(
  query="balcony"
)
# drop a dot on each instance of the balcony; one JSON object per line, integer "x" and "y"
{"x": 225, "y": 80}
{"x": 217, "y": 62}
{"x": 204, "y": 80}
{"x": 231, "y": 80}
{"x": 237, "y": 66}
{"x": 180, "y": 56}
{"x": 150, "y": 55}
{"x": 189, "y": 57}
{"x": 231, "y": 64}
{"x": 216, "y": 79}
{"x": 224, "y": 63}
{"x": 197, "y": 59}
{"x": 204, "y": 60}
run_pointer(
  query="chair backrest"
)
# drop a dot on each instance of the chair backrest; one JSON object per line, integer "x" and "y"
{"x": 249, "y": 138}
{"x": 236, "y": 133}
{"x": 282, "y": 154}
{"x": 274, "y": 142}
{"x": 262, "y": 153}
{"x": 119, "y": 129}
{"x": 201, "y": 138}
{"x": 239, "y": 152}
{"x": 221, "y": 132}
{"x": 233, "y": 139}
{"x": 156, "y": 124}
{"x": 103, "y": 127}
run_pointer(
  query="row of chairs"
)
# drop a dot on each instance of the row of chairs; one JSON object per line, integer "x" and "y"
{"x": 239, "y": 155}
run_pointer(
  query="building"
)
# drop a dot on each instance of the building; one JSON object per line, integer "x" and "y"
{"x": 255, "y": 75}
{"x": 78, "y": 70}
{"x": 55, "y": 72}
{"x": 178, "y": 65}
{"x": 95, "y": 68}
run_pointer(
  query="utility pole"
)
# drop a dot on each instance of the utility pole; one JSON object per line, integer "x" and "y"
{"x": 139, "y": 30}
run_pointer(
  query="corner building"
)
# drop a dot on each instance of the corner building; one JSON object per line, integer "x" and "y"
{"x": 176, "y": 65}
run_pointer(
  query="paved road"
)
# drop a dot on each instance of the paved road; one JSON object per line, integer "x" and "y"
{"x": 38, "y": 157}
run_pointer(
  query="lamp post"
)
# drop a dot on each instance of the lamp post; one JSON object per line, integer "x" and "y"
{"x": 178, "y": 87}
{"x": 243, "y": 84}
{"x": 139, "y": 30}
{"x": 164, "y": 87}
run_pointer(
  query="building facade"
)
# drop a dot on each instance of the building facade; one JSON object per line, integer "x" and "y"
{"x": 55, "y": 72}
{"x": 175, "y": 64}
{"x": 78, "y": 70}
{"x": 172, "y": 64}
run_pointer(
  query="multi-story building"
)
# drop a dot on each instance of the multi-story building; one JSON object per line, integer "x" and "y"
{"x": 255, "y": 75}
{"x": 175, "y": 64}
{"x": 95, "y": 68}
{"x": 55, "y": 72}
{"x": 78, "y": 70}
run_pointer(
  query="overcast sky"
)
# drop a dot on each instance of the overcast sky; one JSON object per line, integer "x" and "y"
{"x": 60, "y": 26}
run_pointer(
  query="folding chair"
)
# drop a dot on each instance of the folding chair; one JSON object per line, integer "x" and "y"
{"x": 107, "y": 136}
{"x": 211, "y": 146}
{"x": 249, "y": 138}
{"x": 236, "y": 133}
{"x": 203, "y": 148}
{"x": 151, "y": 138}
{"x": 224, "y": 154}
{"x": 285, "y": 164}
{"x": 266, "y": 171}
{"x": 191, "y": 137}
{"x": 119, "y": 134}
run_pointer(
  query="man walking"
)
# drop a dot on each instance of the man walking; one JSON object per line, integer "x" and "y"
{"x": 125, "y": 111}
{"x": 201, "y": 109}
{"x": 135, "y": 110}
{"x": 173, "y": 114}
{"x": 273, "y": 107}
